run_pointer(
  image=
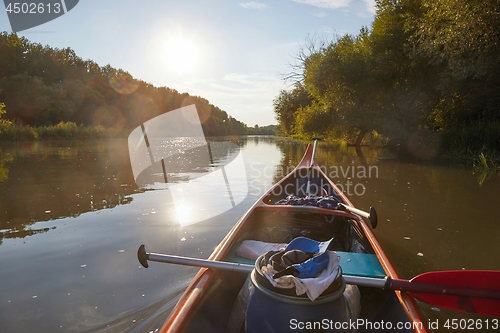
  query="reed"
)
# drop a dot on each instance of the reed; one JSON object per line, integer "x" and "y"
{"x": 486, "y": 166}
{"x": 62, "y": 131}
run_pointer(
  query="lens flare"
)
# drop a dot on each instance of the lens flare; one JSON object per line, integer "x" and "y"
{"x": 123, "y": 84}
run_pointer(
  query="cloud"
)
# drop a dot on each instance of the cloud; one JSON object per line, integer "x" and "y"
{"x": 370, "y": 6}
{"x": 248, "y": 87}
{"x": 320, "y": 14}
{"x": 253, "y": 79}
{"x": 253, "y": 5}
{"x": 247, "y": 97}
{"x": 330, "y": 4}
{"x": 328, "y": 30}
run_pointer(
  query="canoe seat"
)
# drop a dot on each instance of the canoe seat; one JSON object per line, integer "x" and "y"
{"x": 360, "y": 264}
{"x": 354, "y": 264}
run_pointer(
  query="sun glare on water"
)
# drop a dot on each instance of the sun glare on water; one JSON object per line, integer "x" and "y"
{"x": 181, "y": 54}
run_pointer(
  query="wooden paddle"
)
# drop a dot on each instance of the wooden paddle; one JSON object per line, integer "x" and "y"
{"x": 476, "y": 291}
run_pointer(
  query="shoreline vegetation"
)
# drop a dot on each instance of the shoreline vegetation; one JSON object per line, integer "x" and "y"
{"x": 422, "y": 79}
{"x": 465, "y": 149}
{"x": 12, "y": 131}
{"x": 62, "y": 131}
{"x": 483, "y": 163}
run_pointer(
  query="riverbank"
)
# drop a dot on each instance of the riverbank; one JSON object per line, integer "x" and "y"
{"x": 12, "y": 131}
{"x": 476, "y": 144}
{"x": 62, "y": 131}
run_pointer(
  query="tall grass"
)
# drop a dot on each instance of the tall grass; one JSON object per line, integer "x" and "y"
{"x": 470, "y": 141}
{"x": 62, "y": 131}
{"x": 68, "y": 131}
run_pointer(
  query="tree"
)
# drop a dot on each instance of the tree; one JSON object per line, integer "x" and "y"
{"x": 405, "y": 84}
{"x": 462, "y": 35}
{"x": 425, "y": 64}
{"x": 13, "y": 50}
{"x": 2, "y": 109}
{"x": 342, "y": 82}
{"x": 463, "y": 39}
{"x": 28, "y": 97}
{"x": 287, "y": 104}
{"x": 46, "y": 86}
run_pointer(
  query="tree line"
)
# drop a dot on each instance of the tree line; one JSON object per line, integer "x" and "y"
{"x": 424, "y": 66}
{"x": 45, "y": 86}
{"x": 262, "y": 130}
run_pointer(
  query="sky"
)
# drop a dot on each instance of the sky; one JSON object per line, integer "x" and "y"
{"x": 235, "y": 54}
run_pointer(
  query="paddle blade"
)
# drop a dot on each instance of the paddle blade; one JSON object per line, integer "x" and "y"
{"x": 143, "y": 256}
{"x": 373, "y": 217}
{"x": 475, "y": 291}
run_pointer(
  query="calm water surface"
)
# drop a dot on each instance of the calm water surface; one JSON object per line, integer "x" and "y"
{"x": 72, "y": 218}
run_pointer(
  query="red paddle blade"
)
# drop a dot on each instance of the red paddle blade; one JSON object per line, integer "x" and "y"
{"x": 475, "y": 291}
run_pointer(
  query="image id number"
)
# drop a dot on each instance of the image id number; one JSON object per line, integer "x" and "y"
{"x": 472, "y": 324}
{"x": 33, "y": 8}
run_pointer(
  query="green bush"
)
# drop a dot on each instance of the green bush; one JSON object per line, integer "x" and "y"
{"x": 16, "y": 132}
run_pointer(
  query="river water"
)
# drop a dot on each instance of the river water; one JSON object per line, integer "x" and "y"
{"x": 72, "y": 219}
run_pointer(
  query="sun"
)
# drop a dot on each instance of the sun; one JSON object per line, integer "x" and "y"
{"x": 181, "y": 54}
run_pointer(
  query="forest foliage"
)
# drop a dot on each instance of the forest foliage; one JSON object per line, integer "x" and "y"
{"x": 49, "y": 89}
{"x": 426, "y": 74}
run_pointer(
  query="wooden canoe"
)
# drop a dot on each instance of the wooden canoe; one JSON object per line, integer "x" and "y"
{"x": 206, "y": 304}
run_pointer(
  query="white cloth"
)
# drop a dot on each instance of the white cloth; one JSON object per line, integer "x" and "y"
{"x": 313, "y": 287}
{"x": 252, "y": 249}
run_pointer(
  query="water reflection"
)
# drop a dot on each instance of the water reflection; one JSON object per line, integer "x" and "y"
{"x": 51, "y": 180}
{"x": 79, "y": 271}
{"x": 5, "y": 159}
{"x": 43, "y": 181}
{"x": 188, "y": 164}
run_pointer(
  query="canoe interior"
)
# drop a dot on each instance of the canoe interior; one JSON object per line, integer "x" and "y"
{"x": 296, "y": 184}
{"x": 281, "y": 226}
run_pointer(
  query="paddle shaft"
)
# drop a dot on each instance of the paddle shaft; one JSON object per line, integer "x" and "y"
{"x": 235, "y": 267}
{"x": 357, "y": 211}
{"x": 227, "y": 266}
{"x": 313, "y": 157}
{"x": 309, "y": 171}
{"x": 386, "y": 283}
{"x": 372, "y": 215}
